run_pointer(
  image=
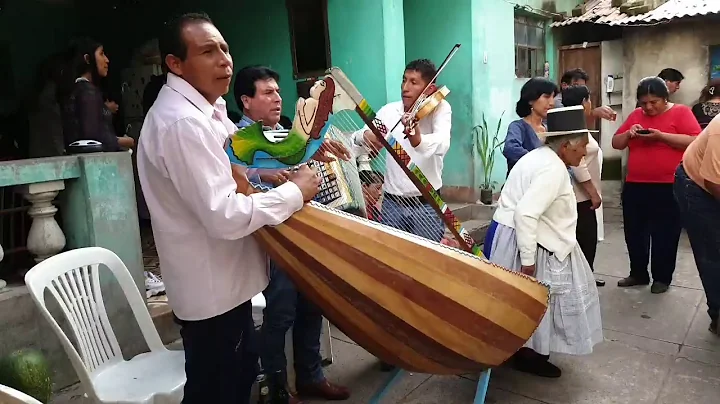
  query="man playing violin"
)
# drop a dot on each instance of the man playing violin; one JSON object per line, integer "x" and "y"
{"x": 426, "y": 143}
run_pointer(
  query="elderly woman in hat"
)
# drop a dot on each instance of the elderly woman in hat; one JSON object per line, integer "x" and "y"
{"x": 533, "y": 232}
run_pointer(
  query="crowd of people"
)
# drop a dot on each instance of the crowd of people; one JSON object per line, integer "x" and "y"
{"x": 547, "y": 223}
{"x": 671, "y": 184}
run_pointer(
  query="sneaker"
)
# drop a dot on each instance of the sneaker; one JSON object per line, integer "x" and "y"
{"x": 153, "y": 285}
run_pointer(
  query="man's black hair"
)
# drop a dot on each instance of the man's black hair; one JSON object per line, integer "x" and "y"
{"x": 245, "y": 79}
{"x": 575, "y": 95}
{"x": 573, "y": 75}
{"x": 426, "y": 68}
{"x": 171, "y": 40}
{"x": 670, "y": 74}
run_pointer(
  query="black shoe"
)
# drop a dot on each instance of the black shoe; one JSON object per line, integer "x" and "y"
{"x": 277, "y": 390}
{"x": 599, "y": 283}
{"x": 630, "y": 281}
{"x": 536, "y": 366}
{"x": 714, "y": 328}
{"x": 659, "y": 287}
{"x": 386, "y": 367}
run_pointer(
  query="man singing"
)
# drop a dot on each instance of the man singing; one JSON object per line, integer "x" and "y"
{"x": 203, "y": 228}
{"x": 258, "y": 95}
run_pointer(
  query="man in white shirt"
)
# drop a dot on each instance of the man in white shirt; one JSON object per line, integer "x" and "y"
{"x": 426, "y": 146}
{"x": 203, "y": 228}
{"x": 258, "y": 95}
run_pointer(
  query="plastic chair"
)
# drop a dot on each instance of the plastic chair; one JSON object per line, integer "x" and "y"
{"x": 155, "y": 377}
{"x": 9, "y": 395}
{"x": 258, "y": 305}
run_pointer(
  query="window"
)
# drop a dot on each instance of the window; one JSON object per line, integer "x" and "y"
{"x": 310, "y": 43}
{"x": 529, "y": 46}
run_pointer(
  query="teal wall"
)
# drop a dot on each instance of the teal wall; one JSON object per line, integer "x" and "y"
{"x": 258, "y": 33}
{"x": 431, "y": 37}
{"x": 29, "y": 30}
{"x": 371, "y": 50}
{"x": 481, "y": 76}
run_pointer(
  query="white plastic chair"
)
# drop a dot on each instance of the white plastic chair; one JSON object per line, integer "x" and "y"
{"x": 155, "y": 377}
{"x": 9, "y": 395}
{"x": 258, "y": 305}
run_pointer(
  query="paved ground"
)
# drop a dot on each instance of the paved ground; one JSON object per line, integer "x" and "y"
{"x": 657, "y": 350}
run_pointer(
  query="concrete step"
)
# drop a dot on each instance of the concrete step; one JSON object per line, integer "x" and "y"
{"x": 162, "y": 316}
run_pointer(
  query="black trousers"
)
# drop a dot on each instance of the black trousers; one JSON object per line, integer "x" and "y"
{"x": 221, "y": 357}
{"x": 586, "y": 231}
{"x": 652, "y": 230}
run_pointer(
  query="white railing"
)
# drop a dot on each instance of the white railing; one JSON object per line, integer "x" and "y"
{"x": 45, "y": 237}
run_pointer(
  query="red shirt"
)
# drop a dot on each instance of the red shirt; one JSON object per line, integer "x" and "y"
{"x": 651, "y": 160}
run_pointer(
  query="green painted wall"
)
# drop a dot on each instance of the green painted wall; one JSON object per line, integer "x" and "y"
{"x": 370, "y": 51}
{"x": 29, "y": 31}
{"x": 481, "y": 76}
{"x": 427, "y": 36}
{"x": 260, "y": 36}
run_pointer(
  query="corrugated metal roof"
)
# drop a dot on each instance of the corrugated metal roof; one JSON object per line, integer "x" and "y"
{"x": 602, "y": 12}
{"x": 673, "y": 9}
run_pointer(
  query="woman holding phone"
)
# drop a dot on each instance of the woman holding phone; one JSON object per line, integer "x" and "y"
{"x": 656, "y": 134}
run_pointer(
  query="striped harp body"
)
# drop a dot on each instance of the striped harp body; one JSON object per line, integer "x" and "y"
{"x": 412, "y": 302}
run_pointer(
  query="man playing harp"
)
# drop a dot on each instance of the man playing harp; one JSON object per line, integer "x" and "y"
{"x": 403, "y": 207}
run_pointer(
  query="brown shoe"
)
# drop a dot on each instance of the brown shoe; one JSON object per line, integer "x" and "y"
{"x": 294, "y": 400}
{"x": 324, "y": 390}
{"x": 630, "y": 282}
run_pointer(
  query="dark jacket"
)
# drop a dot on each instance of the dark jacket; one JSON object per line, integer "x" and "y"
{"x": 85, "y": 117}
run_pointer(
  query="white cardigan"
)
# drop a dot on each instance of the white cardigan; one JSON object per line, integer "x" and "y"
{"x": 538, "y": 201}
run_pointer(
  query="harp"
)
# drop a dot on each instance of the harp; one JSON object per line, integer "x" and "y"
{"x": 406, "y": 298}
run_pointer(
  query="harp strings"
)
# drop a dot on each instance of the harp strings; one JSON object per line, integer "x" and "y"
{"x": 414, "y": 212}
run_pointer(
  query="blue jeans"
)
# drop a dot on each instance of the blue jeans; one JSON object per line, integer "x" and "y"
{"x": 404, "y": 217}
{"x": 700, "y": 213}
{"x": 286, "y": 308}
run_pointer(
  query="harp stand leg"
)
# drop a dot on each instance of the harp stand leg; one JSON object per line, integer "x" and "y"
{"x": 482, "y": 387}
{"x": 391, "y": 381}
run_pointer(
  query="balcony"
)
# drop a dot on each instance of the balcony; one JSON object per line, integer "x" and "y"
{"x": 52, "y": 204}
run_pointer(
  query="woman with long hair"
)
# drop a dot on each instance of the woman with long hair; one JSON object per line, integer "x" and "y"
{"x": 656, "y": 134}
{"x": 536, "y": 99}
{"x": 85, "y": 115}
{"x": 708, "y": 106}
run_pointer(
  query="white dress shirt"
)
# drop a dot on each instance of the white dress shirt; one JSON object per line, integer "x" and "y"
{"x": 202, "y": 227}
{"x": 538, "y": 201}
{"x": 428, "y": 155}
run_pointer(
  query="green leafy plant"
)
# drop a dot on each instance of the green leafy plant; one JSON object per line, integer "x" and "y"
{"x": 486, "y": 145}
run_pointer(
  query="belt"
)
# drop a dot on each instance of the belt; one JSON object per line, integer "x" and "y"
{"x": 406, "y": 199}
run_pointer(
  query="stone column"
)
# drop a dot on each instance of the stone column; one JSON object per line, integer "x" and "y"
{"x": 45, "y": 238}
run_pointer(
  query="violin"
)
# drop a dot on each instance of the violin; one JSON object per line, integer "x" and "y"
{"x": 425, "y": 107}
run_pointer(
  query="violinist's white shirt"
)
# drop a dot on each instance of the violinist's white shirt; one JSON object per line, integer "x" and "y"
{"x": 428, "y": 155}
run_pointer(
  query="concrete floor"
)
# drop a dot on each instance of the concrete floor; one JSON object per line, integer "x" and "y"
{"x": 657, "y": 350}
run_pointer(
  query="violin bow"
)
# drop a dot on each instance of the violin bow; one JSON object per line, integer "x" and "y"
{"x": 439, "y": 70}
{"x": 394, "y": 149}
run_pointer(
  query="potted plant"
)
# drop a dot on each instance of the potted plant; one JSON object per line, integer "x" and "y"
{"x": 486, "y": 146}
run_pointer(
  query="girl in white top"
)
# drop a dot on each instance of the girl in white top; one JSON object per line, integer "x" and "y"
{"x": 533, "y": 232}
{"x": 586, "y": 183}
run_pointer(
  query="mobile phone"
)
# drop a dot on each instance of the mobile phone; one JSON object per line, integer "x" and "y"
{"x": 643, "y": 132}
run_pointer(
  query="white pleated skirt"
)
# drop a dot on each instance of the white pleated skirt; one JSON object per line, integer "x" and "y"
{"x": 572, "y": 324}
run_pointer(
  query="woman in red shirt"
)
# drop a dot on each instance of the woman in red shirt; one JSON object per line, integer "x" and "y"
{"x": 656, "y": 135}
